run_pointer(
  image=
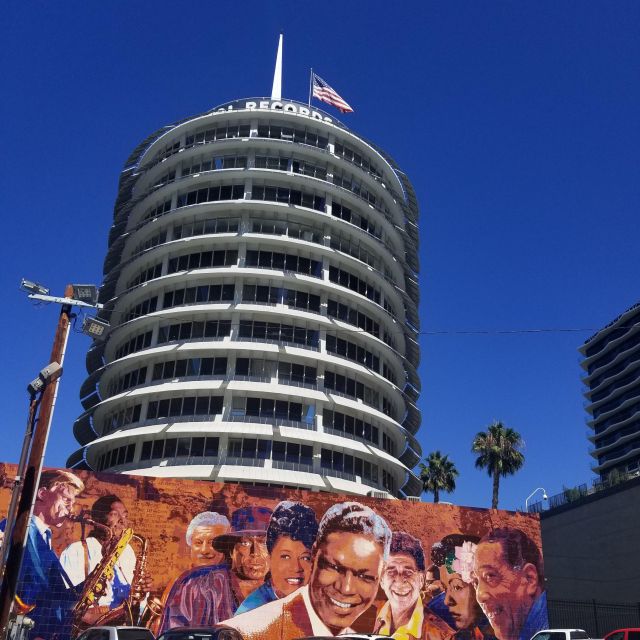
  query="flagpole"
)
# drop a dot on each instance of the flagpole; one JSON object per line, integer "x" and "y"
{"x": 310, "y": 85}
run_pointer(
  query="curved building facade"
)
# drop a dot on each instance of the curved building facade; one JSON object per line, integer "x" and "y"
{"x": 261, "y": 286}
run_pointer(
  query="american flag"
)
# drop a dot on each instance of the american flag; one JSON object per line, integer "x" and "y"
{"x": 324, "y": 92}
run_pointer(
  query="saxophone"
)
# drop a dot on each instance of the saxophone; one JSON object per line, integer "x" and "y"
{"x": 128, "y": 613}
{"x": 95, "y": 586}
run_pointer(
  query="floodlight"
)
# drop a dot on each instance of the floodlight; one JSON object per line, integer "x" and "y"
{"x": 85, "y": 293}
{"x": 49, "y": 374}
{"x": 33, "y": 287}
{"x": 94, "y": 328}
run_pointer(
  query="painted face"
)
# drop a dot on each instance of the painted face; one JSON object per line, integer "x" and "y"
{"x": 202, "y": 550}
{"x": 250, "y": 558}
{"x": 290, "y": 565}
{"x": 57, "y": 504}
{"x": 117, "y": 519}
{"x": 401, "y": 581}
{"x": 345, "y": 578}
{"x": 460, "y": 598}
{"x": 504, "y": 595}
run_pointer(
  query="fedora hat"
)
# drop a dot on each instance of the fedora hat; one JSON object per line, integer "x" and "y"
{"x": 247, "y": 521}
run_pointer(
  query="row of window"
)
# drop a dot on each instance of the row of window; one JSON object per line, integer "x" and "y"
{"x": 194, "y": 330}
{"x": 166, "y": 178}
{"x": 153, "y": 241}
{"x": 246, "y": 408}
{"x": 355, "y": 218}
{"x": 189, "y": 367}
{"x": 207, "y": 447}
{"x": 286, "y": 372}
{"x": 198, "y": 447}
{"x": 272, "y": 409}
{"x": 348, "y": 181}
{"x": 158, "y": 210}
{"x": 350, "y": 426}
{"x": 350, "y": 281}
{"x": 137, "y": 343}
{"x": 283, "y": 262}
{"x": 344, "y": 463}
{"x": 264, "y": 294}
{"x": 354, "y": 157}
{"x": 301, "y": 136}
{"x": 354, "y": 352}
{"x": 276, "y": 332}
{"x": 213, "y": 163}
{"x": 288, "y": 196}
{"x": 633, "y": 341}
{"x": 204, "y": 260}
{"x": 150, "y": 273}
{"x": 617, "y": 384}
{"x": 357, "y": 318}
{"x": 289, "y": 229}
{"x": 613, "y": 335}
{"x": 184, "y": 406}
{"x": 127, "y": 381}
{"x": 205, "y": 227}
{"x": 121, "y": 455}
{"x": 214, "y": 193}
{"x": 351, "y": 387}
{"x": 198, "y": 295}
{"x": 218, "y": 133}
{"x": 303, "y": 167}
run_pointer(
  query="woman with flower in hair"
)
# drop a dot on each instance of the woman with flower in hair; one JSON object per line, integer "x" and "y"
{"x": 454, "y": 554}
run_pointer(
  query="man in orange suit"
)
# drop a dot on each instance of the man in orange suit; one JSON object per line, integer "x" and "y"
{"x": 348, "y": 556}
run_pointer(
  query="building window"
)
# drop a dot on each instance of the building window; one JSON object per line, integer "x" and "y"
{"x": 190, "y": 368}
{"x": 250, "y": 448}
{"x": 203, "y": 260}
{"x": 274, "y": 332}
{"x": 199, "y": 295}
{"x": 196, "y": 330}
{"x": 184, "y": 406}
{"x": 349, "y": 425}
{"x": 263, "y": 294}
{"x": 147, "y": 274}
{"x": 206, "y": 227}
{"x": 348, "y": 215}
{"x": 141, "y": 309}
{"x": 292, "y": 453}
{"x": 214, "y": 163}
{"x": 115, "y": 457}
{"x": 300, "y": 136}
{"x": 351, "y": 387}
{"x": 288, "y": 196}
{"x": 158, "y": 210}
{"x": 195, "y": 448}
{"x": 127, "y": 381}
{"x": 219, "y": 133}
{"x": 350, "y": 281}
{"x": 283, "y": 262}
{"x": 137, "y": 343}
{"x": 348, "y": 464}
{"x": 121, "y": 418}
{"x": 211, "y": 194}
{"x": 352, "y": 351}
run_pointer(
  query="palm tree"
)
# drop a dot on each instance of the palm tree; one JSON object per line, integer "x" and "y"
{"x": 499, "y": 449}
{"x": 439, "y": 474}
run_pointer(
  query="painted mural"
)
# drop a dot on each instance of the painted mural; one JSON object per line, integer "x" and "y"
{"x": 272, "y": 563}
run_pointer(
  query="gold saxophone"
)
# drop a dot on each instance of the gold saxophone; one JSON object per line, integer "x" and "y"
{"x": 95, "y": 585}
{"x": 127, "y": 612}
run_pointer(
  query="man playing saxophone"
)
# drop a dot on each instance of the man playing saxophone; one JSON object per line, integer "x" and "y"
{"x": 80, "y": 558}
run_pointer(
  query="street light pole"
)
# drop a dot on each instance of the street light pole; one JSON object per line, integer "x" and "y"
{"x": 33, "y": 469}
{"x": 533, "y": 493}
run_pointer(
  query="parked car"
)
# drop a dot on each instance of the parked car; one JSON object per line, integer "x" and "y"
{"x": 561, "y": 634}
{"x": 116, "y": 633}
{"x": 623, "y": 634}
{"x": 200, "y": 633}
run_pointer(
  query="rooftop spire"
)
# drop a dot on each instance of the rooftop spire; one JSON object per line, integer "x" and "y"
{"x": 276, "y": 91}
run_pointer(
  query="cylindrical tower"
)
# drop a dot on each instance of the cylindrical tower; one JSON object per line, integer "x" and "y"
{"x": 261, "y": 286}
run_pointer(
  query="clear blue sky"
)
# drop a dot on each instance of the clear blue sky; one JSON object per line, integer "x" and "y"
{"x": 517, "y": 122}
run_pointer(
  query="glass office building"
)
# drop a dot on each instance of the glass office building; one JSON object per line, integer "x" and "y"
{"x": 261, "y": 286}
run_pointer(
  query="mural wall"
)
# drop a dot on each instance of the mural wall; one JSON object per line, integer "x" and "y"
{"x": 272, "y": 563}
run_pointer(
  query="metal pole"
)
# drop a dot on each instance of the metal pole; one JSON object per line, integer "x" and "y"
{"x": 310, "y": 85}
{"x": 17, "y": 483}
{"x": 34, "y": 467}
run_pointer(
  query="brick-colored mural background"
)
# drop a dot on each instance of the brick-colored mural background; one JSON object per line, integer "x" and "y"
{"x": 161, "y": 510}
